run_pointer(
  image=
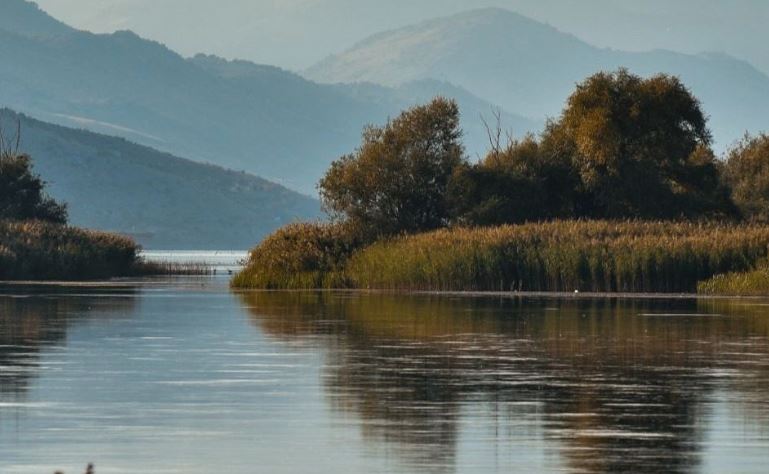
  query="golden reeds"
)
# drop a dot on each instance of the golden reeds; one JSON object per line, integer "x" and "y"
{"x": 305, "y": 255}
{"x": 45, "y": 251}
{"x": 599, "y": 256}
{"x": 749, "y": 283}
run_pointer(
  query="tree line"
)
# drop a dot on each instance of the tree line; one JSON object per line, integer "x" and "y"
{"x": 624, "y": 147}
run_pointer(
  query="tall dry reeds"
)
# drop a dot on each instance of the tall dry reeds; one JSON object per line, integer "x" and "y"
{"x": 600, "y": 256}
{"x": 300, "y": 256}
{"x": 34, "y": 250}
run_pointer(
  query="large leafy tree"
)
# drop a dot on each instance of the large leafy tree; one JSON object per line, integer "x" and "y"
{"x": 397, "y": 181}
{"x": 639, "y": 146}
{"x": 22, "y": 192}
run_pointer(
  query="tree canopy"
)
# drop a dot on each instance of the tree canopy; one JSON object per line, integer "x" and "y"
{"x": 747, "y": 173}
{"x": 624, "y": 147}
{"x": 639, "y": 146}
{"x": 397, "y": 180}
{"x": 22, "y": 192}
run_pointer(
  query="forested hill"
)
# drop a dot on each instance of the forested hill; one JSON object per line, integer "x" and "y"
{"x": 261, "y": 119}
{"x": 165, "y": 201}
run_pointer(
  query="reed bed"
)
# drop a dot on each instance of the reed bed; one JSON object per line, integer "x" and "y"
{"x": 596, "y": 256}
{"x": 153, "y": 268}
{"x": 43, "y": 251}
{"x": 300, "y": 256}
{"x": 749, "y": 283}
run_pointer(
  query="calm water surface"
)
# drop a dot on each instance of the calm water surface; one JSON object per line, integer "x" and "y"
{"x": 183, "y": 376}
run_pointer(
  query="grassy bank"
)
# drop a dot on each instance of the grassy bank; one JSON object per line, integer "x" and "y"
{"x": 43, "y": 251}
{"x": 34, "y": 250}
{"x": 309, "y": 255}
{"x": 754, "y": 282}
{"x": 602, "y": 256}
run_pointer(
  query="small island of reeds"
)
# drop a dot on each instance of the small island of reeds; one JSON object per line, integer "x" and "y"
{"x": 622, "y": 193}
{"x": 36, "y": 243}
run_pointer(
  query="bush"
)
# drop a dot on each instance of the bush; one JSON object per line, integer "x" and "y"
{"x": 747, "y": 173}
{"x": 307, "y": 255}
{"x": 45, "y": 251}
{"x": 479, "y": 196}
{"x": 22, "y": 195}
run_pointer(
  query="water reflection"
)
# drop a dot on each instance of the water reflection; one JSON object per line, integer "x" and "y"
{"x": 609, "y": 384}
{"x": 33, "y": 318}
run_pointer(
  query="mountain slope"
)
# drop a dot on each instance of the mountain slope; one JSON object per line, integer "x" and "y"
{"x": 27, "y": 19}
{"x": 261, "y": 119}
{"x": 476, "y": 113}
{"x": 167, "y": 202}
{"x": 530, "y": 68}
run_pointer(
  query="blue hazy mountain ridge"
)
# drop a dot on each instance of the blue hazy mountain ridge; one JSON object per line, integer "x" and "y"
{"x": 165, "y": 201}
{"x": 261, "y": 119}
{"x": 298, "y": 33}
{"x": 529, "y": 68}
{"x": 476, "y": 113}
{"x": 24, "y": 18}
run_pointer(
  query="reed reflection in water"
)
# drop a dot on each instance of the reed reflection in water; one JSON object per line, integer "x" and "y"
{"x": 183, "y": 376}
{"x": 36, "y": 318}
{"x": 592, "y": 385}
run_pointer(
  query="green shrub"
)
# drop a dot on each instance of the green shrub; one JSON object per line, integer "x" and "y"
{"x": 22, "y": 192}
{"x": 306, "y": 255}
{"x": 750, "y": 283}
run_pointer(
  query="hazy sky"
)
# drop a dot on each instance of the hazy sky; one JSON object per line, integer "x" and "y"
{"x": 296, "y": 33}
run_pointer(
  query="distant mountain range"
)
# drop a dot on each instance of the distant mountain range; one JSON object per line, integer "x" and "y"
{"x": 244, "y": 116}
{"x": 165, "y": 202}
{"x": 530, "y": 68}
{"x": 282, "y": 126}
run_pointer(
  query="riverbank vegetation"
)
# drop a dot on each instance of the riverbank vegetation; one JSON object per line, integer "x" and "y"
{"x": 753, "y": 282}
{"x": 37, "y": 250}
{"x": 306, "y": 255}
{"x": 622, "y": 192}
{"x": 595, "y": 256}
{"x": 35, "y": 241}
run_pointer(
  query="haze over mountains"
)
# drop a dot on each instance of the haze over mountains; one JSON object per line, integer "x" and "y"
{"x": 298, "y": 33}
{"x": 164, "y": 201}
{"x": 530, "y": 68}
{"x": 244, "y": 116}
{"x": 282, "y": 126}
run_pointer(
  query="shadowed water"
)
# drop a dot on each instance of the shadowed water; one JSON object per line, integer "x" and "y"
{"x": 182, "y": 376}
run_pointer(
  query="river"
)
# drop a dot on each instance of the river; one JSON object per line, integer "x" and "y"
{"x": 181, "y": 375}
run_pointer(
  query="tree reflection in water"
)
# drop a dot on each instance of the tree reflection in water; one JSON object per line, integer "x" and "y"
{"x": 33, "y": 318}
{"x": 616, "y": 384}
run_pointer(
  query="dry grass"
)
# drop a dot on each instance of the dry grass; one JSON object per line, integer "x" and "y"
{"x": 44, "y": 251}
{"x": 150, "y": 268}
{"x": 300, "y": 256}
{"x": 600, "y": 256}
{"x": 749, "y": 283}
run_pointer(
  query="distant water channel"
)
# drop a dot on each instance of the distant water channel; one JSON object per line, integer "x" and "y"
{"x": 182, "y": 376}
